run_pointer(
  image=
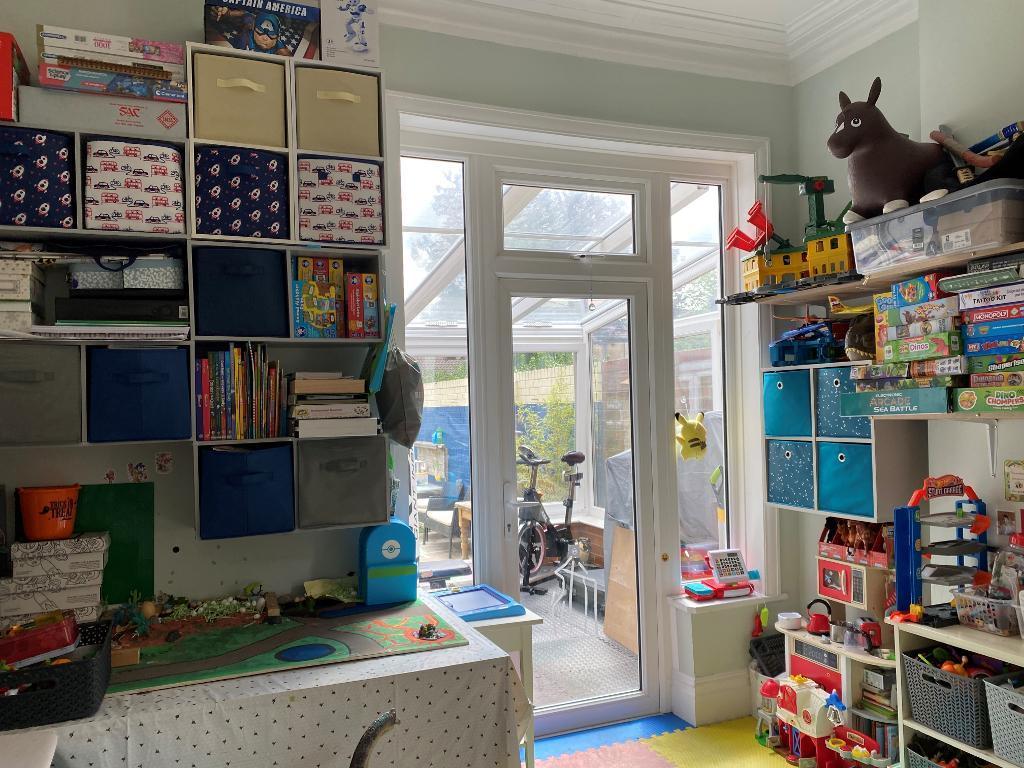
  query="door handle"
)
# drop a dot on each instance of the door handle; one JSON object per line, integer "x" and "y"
{"x": 351, "y": 98}
{"x": 508, "y": 493}
{"x": 241, "y": 82}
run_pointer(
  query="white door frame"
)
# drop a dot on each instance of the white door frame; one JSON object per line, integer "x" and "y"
{"x": 647, "y": 700}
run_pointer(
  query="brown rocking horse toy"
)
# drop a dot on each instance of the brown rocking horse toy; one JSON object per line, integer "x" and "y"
{"x": 887, "y": 170}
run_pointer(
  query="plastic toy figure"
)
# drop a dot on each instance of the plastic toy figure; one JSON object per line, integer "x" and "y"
{"x": 692, "y": 439}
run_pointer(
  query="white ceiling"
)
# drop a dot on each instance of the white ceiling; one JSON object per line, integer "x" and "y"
{"x": 772, "y": 41}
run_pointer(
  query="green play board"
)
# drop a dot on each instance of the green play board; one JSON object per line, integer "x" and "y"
{"x": 208, "y": 653}
{"x": 126, "y": 511}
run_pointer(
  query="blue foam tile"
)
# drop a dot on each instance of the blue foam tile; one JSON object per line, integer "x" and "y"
{"x": 631, "y": 730}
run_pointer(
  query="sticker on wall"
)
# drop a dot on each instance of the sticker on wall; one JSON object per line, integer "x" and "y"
{"x": 1006, "y": 522}
{"x": 164, "y": 463}
{"x": 137, "y": 472}
{"x": 111, "y": 476}
{"x": 1013, "y": 471}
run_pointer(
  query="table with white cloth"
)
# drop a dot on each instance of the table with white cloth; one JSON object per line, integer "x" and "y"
{"x": 456, "y": 707}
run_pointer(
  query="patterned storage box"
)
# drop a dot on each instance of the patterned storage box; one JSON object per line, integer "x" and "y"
{"x": 36, "y": 188}
{"x": 340, "y": 201}
{"x": 133, "y": 187}
{"x": 241, "y": 193}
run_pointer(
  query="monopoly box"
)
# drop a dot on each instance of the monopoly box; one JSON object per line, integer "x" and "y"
{"x": 994, "y": 314}
{"x": 922, "y": 347}
{"x": 926, "y": 400}
{"x": 265, "y": 26}
{"x": 989, "y": 399}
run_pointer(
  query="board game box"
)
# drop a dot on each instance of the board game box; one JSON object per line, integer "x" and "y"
{"x": 919, "y": 290}
{"x": 989, "y": 399}
{"x": 922, "y": 347}
{"x": 994, "y": 345}
{"x": 994, "y": 314}
{"x": 315, "y": 309}
{"x": 919, "y": 313}
{"x": 995, "y": 363}
{"x": 997, "y": 379}
{"x": 926, "y": 400}
{"x": 265, "y": 26}
{"x": 989, "y": 297}
{"x": 923, "y": 328}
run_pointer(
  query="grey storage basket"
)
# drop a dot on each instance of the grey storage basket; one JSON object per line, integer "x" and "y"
{"x": 1006, "y": 715}
{"x": 949, "y": 703}
{"x": 915, "y": 760}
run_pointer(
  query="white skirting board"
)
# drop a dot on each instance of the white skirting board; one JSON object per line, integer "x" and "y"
{"x": 711, "y": 699}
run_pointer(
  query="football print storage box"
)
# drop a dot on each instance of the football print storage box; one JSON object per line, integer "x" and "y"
{"x": 239, "y": 100}
{"x": 241, "y": 192}
{"x": 337, "y": 111}
{"x": 340, "y": 201}
{"x": 36, "y": 178}
{"x": 133, "y": 187}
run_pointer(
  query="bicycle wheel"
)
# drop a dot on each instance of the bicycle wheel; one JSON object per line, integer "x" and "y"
{"x": 532, "y": 549}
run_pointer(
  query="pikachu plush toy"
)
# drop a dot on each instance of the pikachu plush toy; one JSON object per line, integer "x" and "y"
{"x": 691, "y": 436}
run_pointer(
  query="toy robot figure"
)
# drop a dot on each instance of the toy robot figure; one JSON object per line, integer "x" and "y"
{"x": 355, "y": 27}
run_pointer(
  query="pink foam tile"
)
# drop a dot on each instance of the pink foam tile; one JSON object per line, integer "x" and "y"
{"x": 629, "y": 754}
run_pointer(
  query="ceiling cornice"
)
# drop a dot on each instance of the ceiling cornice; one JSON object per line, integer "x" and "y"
{"x": 664, "y": 35}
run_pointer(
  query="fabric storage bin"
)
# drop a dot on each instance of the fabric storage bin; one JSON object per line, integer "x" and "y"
{"x": 791, "y": 473}
{"x": 241, "y": 193}
{"x": 787, "y": 404}
{"x": 340, "y": 201}
{"x": 1006, "y": 716}
{"x": 40, "y": 393}
{"x": 36, "y": 178}
{"x": 236, "y": 99}
{"x": 240, "y": 292}
{"x": 132, "y": 186}
{"x": 138, "y": 394}
{"x": 949, "y": 703}
{"x": 845, "y": 481}
{"x": 245, "y": 491}
{"x": 342, "y": 482}
{"x": 337, "y": 111}
{"x": 829, "y": 384}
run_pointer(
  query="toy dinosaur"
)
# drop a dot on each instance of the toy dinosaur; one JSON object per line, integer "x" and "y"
{"x": 691, "y": 437}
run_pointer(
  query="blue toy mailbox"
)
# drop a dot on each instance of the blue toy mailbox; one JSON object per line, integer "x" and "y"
{"x": 387, "y": 563}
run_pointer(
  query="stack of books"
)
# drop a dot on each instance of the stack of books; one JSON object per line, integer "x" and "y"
{"x": 329, "y": 405}
{"x": 238, "y": 394}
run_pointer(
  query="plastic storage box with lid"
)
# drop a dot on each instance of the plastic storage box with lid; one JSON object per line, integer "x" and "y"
{"x": 36, "y": 178}
{"x": 245, "y": 491}
{"x": 984, "y": 216}
{"x": 241, "y": 192}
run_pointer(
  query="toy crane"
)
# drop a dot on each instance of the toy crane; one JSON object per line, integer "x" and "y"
{"x": 814, "y": 188}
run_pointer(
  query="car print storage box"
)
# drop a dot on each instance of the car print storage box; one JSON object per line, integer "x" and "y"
{"x": 340, "y": 201}
{"x": 131, "y": 186}
{"x": 241, "y": 192}
{"x": 36, "y": 178}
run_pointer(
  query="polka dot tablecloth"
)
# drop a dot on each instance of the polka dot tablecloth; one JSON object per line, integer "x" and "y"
{"x": 456, "y": 707}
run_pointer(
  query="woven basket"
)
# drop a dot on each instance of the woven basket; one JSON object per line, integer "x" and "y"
{"x": 64, "y": 692}
{"x": 1006, "y": 714}
{"x": 915, "y": 760}
{"x": 949, "y": 703}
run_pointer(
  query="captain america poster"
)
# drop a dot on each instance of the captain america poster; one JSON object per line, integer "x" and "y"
{"x": 265, "y": 26}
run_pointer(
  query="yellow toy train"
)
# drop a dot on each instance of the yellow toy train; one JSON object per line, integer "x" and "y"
{"x": 774, "y": 262}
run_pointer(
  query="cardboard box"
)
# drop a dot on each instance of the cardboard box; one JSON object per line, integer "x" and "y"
{"x": 884, "y": 304}
{"x": 995, "y": 363}
{"x": 919, "y": 290}
{"x": 919, "y": 313}
{"x": 13, "y": 74}
{"x": 371, "y": 307}
{"x": 354, "y": 303}
{"x": 989, "y": 399}
{"x": 922, "y": 347}
{"x": 994, "y": 314}
{"x": 152, "y": 70}
{"x": 928, "y": 400}
{"x": 882, "y": 385}
{"x": 995, "y": 329}
{"x": 315, "y": 309}
{"x": 103, "y": 114}
{"x": 320, "y": 269}
{"x": 923, "y": 328}
{"x": 94, "y": 42}
{"x": 883, "y": 371}
{"x": 880, "y": 679}
{"x": 82, "y": 615}
{"x": 291, "y": 28}
{"x": 21, "y": 280}
{"x": 85, "y": 80}
{"x": 42, "y": 601}
{"x": 349, "y": 33}
{"x": 26, "y": 567}
{"x": 997, "y": 379}
{"x": 77, "y": 544}
{"x": 989, "y": 297}
{"x": 1006, "y": 345}
{"x": 52, "y": 582}
{"x": 948, "y": 366}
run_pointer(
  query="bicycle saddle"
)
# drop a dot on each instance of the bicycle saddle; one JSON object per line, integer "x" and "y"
{"x": 527, "y": 456}
{"x": 574, "y": 457}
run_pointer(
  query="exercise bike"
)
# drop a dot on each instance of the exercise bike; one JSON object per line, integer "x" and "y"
{"x": 540, "y": 540}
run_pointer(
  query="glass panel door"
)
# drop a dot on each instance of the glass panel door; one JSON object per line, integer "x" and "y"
{"x": 573, "y": 398}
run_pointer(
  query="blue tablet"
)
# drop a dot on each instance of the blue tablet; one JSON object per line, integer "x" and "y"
{"x": 479, "y": 602}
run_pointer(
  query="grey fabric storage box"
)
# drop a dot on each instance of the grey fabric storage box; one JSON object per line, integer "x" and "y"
{"x": 40, "y": 393}
{"x": 343, "y": 481}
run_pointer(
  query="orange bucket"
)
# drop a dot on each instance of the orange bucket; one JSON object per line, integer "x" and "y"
{"x": 48, "y": 512}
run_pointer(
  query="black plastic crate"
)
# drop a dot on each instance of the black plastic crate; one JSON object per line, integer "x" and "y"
{"x": 62, "y": 692}
{"x": 769, "y": 651}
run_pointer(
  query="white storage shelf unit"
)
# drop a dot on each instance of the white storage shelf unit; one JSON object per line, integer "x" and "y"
{"x": 819, "y": 461}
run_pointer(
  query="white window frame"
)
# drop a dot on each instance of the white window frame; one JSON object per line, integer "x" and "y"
{"x": 731, "y": 162}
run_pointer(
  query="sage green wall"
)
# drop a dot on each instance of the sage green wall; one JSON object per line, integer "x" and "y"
{"x": 895, "y": 59}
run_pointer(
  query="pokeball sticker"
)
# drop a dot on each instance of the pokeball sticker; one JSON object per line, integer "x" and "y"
{"x": 391, "y": 549}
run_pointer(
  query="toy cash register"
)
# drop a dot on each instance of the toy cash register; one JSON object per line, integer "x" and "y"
{"x": 729, "y": 577}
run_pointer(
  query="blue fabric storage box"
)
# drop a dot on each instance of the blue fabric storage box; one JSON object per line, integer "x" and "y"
{"x": 240, "y": 292}
{"x": 242, "y": 192}
{"x": 245, "y": 491}
{"x": 791, "y": 473}
{"x": 36, "y": 178}
{"x": 844, "y": 479}
{"x": 787, "y": 404}
{"x": 830, "y": 383}
{"x": 138, "y": 394}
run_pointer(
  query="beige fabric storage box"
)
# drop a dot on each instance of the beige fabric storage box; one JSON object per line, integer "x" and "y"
{"x": 239, "y": 100}
{"x": 338, "y": 111}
